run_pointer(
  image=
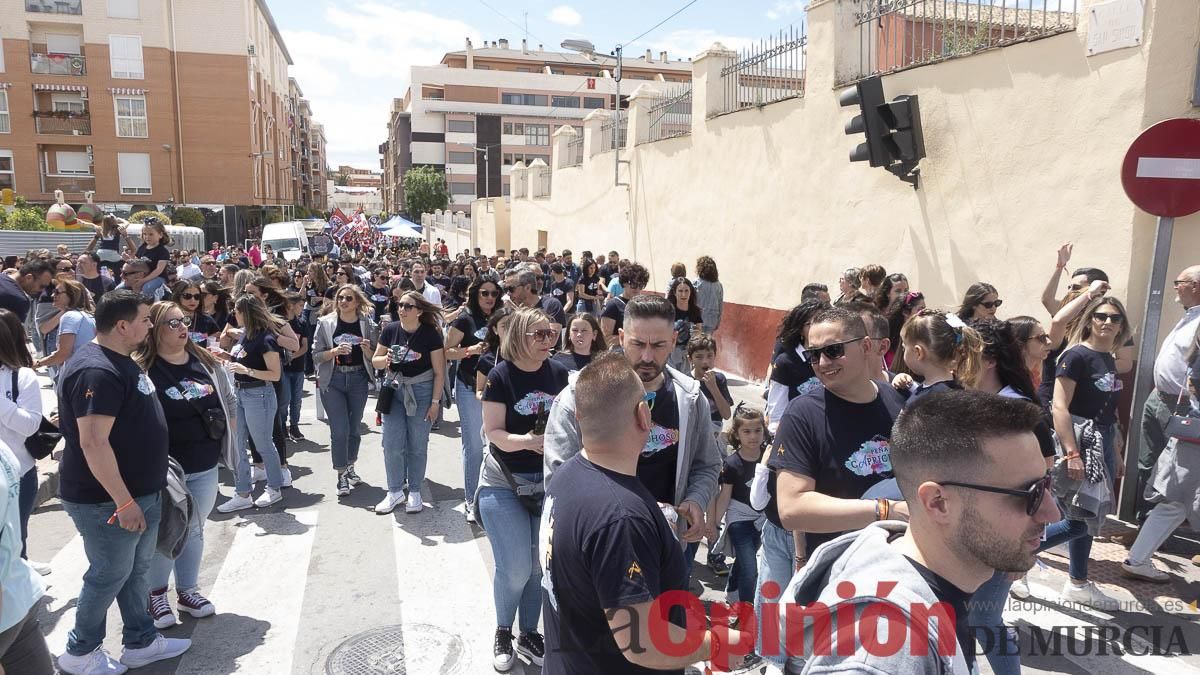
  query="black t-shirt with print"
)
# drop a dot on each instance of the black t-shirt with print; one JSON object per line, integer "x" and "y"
{"x": 795, "y": 373}
{"x": 442, "y": 283}
{"x": 683, "y": 327}
{"x": 573, "y": 361}
{"x": 606, "y": 272}
{"x": 592, "y": 285}
{"x": 296, "y": 365}
{"x": 1097, "y": 386}
{"x": 349, "y": 332}
{"x": 843, "y": 446}
{"x": 154, "y": 255}
{"x": 415, "y": 348}
{"x": 614, "y": 309}
{"x": 379, "y": 298}
{"x": 723, "y": 387}
{"x": 957, "y": 599}
{"x": 252, "y": 351}
{"x": 560, "y": 289}
{"x": 738, "y": 472}
{"x": 525, "y": 397}
{"x": 98, "y": 286}
{"x": 201, "y": 327}
{"x": 606, "y": 546}
{"x": 184, "y": 391}
{"x": 474, "y": 329}
{"x": 553, "y": 309}
{"x": 936, "y": 387}
{"x": 657, "y": 465}
{"x": 98, "y": 381}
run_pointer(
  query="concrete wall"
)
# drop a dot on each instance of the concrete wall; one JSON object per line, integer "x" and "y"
{"x": 1024, "y": 148}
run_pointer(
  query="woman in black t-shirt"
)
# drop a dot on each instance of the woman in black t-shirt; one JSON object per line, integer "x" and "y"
{"x": 215, "y": 302}
{"x": 682, "y": 296}
{"x": 201, "y": 327}
{"x": 195, "y": 395}
{"x": 155, "y": 248}
{"x": 411, "y": 349}
{"x": 516, "y": 404}
{"x": 589, "y": 291}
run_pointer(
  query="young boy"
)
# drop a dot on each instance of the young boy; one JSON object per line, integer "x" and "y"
{"x": 702, "y": 353}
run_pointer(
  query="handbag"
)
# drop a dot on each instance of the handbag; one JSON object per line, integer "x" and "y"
{"x": 387, "y": 392}
{"x": 41, "y": 443}
{"x": 1184, "y": 427}
{"x": 215, "y": 422}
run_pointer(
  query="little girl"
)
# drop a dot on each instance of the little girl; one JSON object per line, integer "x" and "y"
{"x": 941, "y": 353}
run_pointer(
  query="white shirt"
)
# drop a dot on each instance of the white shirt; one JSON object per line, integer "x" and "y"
{"x": 20, "y": 420}
{"x": 432, "y": 294}
{"x": 1171, "y": 365}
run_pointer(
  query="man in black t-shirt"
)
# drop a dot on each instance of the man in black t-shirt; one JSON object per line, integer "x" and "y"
{"x": 90, "y": 276}
{"x": 609, "y": 555}
{"x": 520, "y": 284}
{"x": 16, "y": 291}
{"x": 560, "y": 287}
{"x": 832, "y": 443}
{"x": 114, "y": 467}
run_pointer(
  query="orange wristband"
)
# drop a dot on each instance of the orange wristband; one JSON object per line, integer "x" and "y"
{"x": 113, "y": 518}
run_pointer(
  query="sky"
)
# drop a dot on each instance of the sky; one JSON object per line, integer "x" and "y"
{"x": 352, "y": 57}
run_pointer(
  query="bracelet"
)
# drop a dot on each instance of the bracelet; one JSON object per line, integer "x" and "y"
{"x": 113, "y": 518}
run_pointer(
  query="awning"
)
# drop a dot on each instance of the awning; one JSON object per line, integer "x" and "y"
{"x": 58, "y": 87}
{"x": 123, "y": 91}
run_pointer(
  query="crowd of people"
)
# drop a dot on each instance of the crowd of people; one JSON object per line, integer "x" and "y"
{"x": 600, "y": 446}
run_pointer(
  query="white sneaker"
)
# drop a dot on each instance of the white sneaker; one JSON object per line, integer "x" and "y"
{"x": 97, "y": 662}
{"x": 257, "y": 474}
{"x": 268, "y": 497}
{"x": 1088, "y": 595}
{"x": 287, "y": 477}
{"x": 1145, "y": 572}
{"x": 160, "y": 650}
{"x": 470, "y": 512}
{"x": 390, "y": 501}
{"x": 1020, "y": 589}
{"x": 238, "y": 503}
{"x": 414, "y": 504}
{"x": 40, "y": 567}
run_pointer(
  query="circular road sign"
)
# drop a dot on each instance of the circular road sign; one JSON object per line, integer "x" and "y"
{"x": 1161, "y": 171}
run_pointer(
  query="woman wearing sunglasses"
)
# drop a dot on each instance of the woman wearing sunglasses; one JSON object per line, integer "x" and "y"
{"x": 516, "y": 404}
{"x": 410, "y": 348}
{"x": 195, "y": 395}
{"x": 980, "y": 302}
{"x": 201, "y": 327}
{"x": 464, "y": 343}
{"x": 76, "y": 326}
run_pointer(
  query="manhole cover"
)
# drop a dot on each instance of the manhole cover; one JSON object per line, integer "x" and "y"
{"x": 381, "y": 651}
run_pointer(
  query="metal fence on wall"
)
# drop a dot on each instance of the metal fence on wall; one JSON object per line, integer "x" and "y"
{"x": 672, "y": 116}
{"x": 613, "y": 135}
{"x": 899, "y": 34}
{"x": 772, "y": 70}
{"x": 574, "y": 152}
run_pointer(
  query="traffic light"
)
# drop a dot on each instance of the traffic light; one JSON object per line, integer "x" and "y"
{"x": 903, "y": 117}
{"x": 868, "y": 96}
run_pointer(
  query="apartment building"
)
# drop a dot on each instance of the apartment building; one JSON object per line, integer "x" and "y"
{"x": 485, "y": 108}
{"x": 149, "y": 103}
{"x": 308, "y": 171}
{"x": 360, "y": 178}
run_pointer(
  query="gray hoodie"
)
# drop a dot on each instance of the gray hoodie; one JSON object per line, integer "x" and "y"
{"x": 866, "y": 559}
{"x": 699, "y": 460}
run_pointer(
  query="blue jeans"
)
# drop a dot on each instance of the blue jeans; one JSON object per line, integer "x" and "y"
{"x": 513, "y": 533}
{"x": 470, "y": 425}
{"x": 1075, "y": 532}
{"x": 203, "y": 486}
{"x": 406, "y": 440}
{"x": 256, "y": 419}
{"x": 345, "y": 400}
{"x": 743, "y": 578}
{"x": 776, "y": 563}
{"x": 293, "y": 391}
{"x": 25, "y": 502}
{"x": 118, "y": 568}
{"x": 985, "y": 613}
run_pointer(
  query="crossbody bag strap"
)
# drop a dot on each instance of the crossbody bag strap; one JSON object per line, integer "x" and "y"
{"x": 14, "y": 385}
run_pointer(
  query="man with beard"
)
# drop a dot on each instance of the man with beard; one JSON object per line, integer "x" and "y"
{"x": 976, "y": 486}
{"x": 680, "y": 462}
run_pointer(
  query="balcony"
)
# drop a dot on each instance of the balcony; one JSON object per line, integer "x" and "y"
{"x": 57, "y": 64}
{"x": 55, "y": 6}
{"x": 68, "y": 184}
{"x": 63, "y": 123}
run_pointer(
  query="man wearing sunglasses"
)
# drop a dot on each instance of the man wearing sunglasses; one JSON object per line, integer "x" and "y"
{"x": 976, "y": 485}
{"x": 520, "y": 284}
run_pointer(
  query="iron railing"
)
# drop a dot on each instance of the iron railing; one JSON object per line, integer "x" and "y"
{"x": 54, "y": 6}
{"x": 543, "y": 179}
{"x": 574, "y": 152}
{"x": 770, "y": 71}
{"x": 68, "y": 184}
{"x": 612, "y": 135}
{"x": 899, "y": 34}
{"x": 672, "y": 116}
{"x": 57, "y": 64}
{"x": 66, "y": 124}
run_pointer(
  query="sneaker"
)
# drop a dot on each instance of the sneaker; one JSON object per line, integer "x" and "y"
{"x": 716, "y": 563}
{"x": 237, "y": 503}
{"x": 97, "y": 662}
{"x": 195, "y": 604}
{"x": 532, "y": 646}
{"x": 1087, "y": 595}
{"x": 343, "y": 484}
{"x": 1020, "y": 589}
{"x": 160, "y": 609}
{"x": 286, "y": 473}
{"x": 352, "y": 476}
{"x": 160, "y": 650}
{"x": 40, "y": 567}
{"x": 1144, "y": 572}
{"x": 502, "y": 651}
{"x": 268, "y": 497}
{"x": 390, "y": 501}
{"x": 470, "y": 513}
{"x": 294, "y": 432}
{"x": 257, "y": 474}
{"x": 414, "y": 504}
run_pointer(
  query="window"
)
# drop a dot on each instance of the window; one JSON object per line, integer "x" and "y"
{"x": 73, "y": 163}
{"x": 462, "y": 188}
{"x": 537, "y": 134}
{"x": 7, "y": 174}
{"x": 460, "y": 126}
{"x": 523, "y": 70}
{"x": 565, "y": 101}
{"x": 125, "y": 53}
{"x": 593, "y": 102}
{"x": 62, "y": 44}
{"x": 523, "y": 99}
{"x": 505, "y": 190}
{"x": 508, "y": 159}
{"x": 461, "y": 158}
{"x": 132, "y": 121}
{"x": 483, "y": 67}
{"x": 123, "y": 9}
{"x": 5, "y": 121}
{"x": 514, "y": 128}
{"x": 134, "y": 170}
{"x": 71, "y": 103}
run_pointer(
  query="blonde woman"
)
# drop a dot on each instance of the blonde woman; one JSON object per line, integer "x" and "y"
{"x": 76, "y": 326}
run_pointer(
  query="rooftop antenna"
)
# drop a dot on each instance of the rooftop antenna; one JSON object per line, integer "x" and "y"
{"x": 526, "y": 25}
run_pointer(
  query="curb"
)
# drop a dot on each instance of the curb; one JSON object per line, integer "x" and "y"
{"x": 47, "y": 469}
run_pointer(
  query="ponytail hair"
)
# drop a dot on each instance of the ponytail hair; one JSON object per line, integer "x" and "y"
{"x": 950, "y": 341}
{"x": 1001, "y": 344}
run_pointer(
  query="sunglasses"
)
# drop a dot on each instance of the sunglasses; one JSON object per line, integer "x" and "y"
{"x": 1105, "y": 317}
{"x": 489, "y": 294}
{"x": 832, "y": 352}
{"x": 345, "y": 298}
{"x": 510, "y": 289}
{"x": 542, "y": 334}
{"x": 1179, "y": 282}
{"x": 189, "y": 296}
{"x": 66, "y": 269}
{"x": 130, "y": 274}
{"x": 1075, "y": 287}
{"x": 1033, "y": 495}
{"x": 992, "y": 305}
{"x": 1043, "y": 338}
{"x": 175, "y": 324}
{"x": 406, "y": 306}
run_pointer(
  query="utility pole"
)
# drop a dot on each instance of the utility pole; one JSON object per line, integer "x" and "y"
{"x": 617, "y": 127}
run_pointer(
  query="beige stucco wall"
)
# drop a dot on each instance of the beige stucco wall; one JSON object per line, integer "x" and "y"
{"x": 1024, "y": 148}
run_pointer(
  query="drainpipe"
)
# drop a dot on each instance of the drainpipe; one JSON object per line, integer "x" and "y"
{"x": 178, "y": 112}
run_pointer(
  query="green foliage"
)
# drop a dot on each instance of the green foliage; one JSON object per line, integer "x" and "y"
{"x": 141, "y": 217}
{"x": 186, "y": 215}
{"x": 424, "y": 191}
{"x": 301, "y": 212}
{"x": 341, "y": 179}
{"x": 272, "y": 217}
{"x": 27, "y": 218}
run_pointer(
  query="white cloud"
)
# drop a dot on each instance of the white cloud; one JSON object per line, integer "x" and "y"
{"x": 784, "y": 8}
{"x": 564, "y": 16}
{"x": 358, "y": 63}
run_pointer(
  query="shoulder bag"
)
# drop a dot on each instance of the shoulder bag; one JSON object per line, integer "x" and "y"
{"x": 387, "y": 392}
{"x": 1182, "y": 426}
{"x": 42, "y": 442}
{"x": 214, "y": 419}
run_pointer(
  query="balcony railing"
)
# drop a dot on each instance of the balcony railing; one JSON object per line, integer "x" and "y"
{"x": 55, "y": 6}
{"x": 63, "y": 124}
{"x": 68, "y": 184}
{"x": 57, "y": 64}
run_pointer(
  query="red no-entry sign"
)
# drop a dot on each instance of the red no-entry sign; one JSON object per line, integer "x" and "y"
{"x": 1161, "y": 171}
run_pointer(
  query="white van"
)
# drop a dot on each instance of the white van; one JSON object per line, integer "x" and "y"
{"x": 288, "y": 238}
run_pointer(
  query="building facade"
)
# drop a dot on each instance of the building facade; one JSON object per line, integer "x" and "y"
{"x": 149, "y": 104}
{"x": 308, "y": 170}
{"x": 482, "y": 110}
{"x": 360, "y": 178}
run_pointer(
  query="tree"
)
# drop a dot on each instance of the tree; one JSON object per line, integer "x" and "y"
{"x": 186, "y": 215}
{"x": 341, "y": 179}
{"x": 424, "y": 191}
{"x": 26, "y": 218}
